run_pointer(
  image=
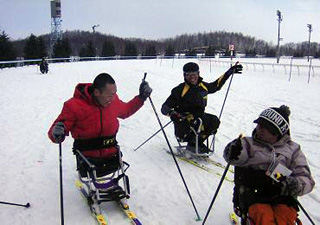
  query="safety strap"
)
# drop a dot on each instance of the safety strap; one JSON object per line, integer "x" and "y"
{"x": 109, "y": 184}
{"x": 95, "y": 143}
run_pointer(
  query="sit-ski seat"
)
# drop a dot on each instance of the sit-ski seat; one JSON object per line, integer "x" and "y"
{"x": 101, "y": 177}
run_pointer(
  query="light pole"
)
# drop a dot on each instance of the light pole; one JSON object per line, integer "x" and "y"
{"x": 310, "y": 30}
{"x": 94, "y": 37}
{"x": 279, "y": 39}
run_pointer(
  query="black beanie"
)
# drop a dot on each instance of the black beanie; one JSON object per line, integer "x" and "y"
{"x": 190, "y": 67}
{"x": 276, "y": 120}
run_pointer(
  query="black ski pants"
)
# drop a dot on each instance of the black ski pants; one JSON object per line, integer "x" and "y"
{"x": 210, "y": 124}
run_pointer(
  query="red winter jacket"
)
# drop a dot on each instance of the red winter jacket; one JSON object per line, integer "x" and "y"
{"x": 86, "y": 119}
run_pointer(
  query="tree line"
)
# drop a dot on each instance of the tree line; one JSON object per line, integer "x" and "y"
{"x": 89, "y": 44}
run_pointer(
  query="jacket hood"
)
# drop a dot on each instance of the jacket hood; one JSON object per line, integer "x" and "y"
{"x": 83, "y": 91}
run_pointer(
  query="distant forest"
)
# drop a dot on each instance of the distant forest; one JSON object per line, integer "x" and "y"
{"x": 88, "y": 44}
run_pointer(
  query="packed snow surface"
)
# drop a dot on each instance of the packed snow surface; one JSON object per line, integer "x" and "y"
{"x": 29, "y": 164}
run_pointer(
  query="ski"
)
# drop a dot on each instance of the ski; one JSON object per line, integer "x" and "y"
{"x": 233, "y": 218}
{"x": 129, "y": 213}
{"x": 199, "y": 165}
{"x": 98, "y": 216}
{"x": 206, "y": 159}
{"x": 213, "y": 162}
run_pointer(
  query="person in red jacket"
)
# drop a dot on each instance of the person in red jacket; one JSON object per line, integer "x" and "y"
{"x": 91, "y": 116}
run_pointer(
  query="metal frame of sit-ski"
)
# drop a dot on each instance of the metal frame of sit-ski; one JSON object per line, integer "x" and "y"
{"x": 182, "y": 149}
{"x": 100, "y": 188}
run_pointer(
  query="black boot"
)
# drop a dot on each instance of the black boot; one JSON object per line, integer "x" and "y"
{"x": 202, "y": 148}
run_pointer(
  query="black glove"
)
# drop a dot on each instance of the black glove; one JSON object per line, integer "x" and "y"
{"x": 233, "y": 149}
{"x": 58, "y": 132}
{"x": 290, "y": 186}
{"x": 234, "y": 69}
{"x": 144, "y": 90}
{"x": 175, "y": 116}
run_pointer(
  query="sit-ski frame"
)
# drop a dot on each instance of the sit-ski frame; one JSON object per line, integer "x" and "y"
{"x": 182, "y": 149}
{"x": 99, "y": 186}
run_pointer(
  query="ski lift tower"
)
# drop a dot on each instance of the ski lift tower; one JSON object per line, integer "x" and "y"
{"x": 56, "y": 32}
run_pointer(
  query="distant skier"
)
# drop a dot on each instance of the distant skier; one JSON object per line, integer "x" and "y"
{"x": 91, "y": 116}
{"x": 270, "y": 171}
{"x": 187, "y": 103}
{"x": 44, "y": 68}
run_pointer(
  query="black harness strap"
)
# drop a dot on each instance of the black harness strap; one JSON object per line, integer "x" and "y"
{"x": 95, "y": 143}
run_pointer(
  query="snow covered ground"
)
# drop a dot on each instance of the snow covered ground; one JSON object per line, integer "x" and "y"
{"x": 30, "y": 165}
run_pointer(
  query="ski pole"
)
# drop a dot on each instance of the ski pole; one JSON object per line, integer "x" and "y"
{"x": 225, "y": 98}
{"x": 304, "y": 211}
{"x": 216, "y": 193}
{"x": 151, "y": 136}
{"x": 224, "y": 102}
{"x": 61, "y": 186}
{"x": 174, "y": 158}
{"x": 218, "y": 188}
{"x": 15, "y": 204}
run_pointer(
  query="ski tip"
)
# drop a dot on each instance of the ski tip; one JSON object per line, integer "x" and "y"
{"x": 101, "y": 219}
{"x": 234, "y": 218}
{"x": 28, "y": 205}
{"x": 78, "y": 184}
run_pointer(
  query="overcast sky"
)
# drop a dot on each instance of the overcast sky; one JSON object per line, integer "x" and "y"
{"x": 156, "y": 19}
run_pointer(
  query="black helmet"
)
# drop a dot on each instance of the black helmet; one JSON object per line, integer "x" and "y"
{"x": 190, "y": 67}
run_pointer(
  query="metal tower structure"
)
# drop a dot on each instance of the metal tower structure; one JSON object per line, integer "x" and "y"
{"x": 56, "y": 32}
{"x": 280, "y": 18}
{"x": 310, "y": 30}
{"x": 94, "y": 37}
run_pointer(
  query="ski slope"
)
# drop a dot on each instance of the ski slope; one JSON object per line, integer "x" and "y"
{"x": 29, "y": 164}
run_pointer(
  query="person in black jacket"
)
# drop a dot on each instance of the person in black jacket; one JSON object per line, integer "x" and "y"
{"x": 44, "y": 68}
{"x": 186, "y": 105}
